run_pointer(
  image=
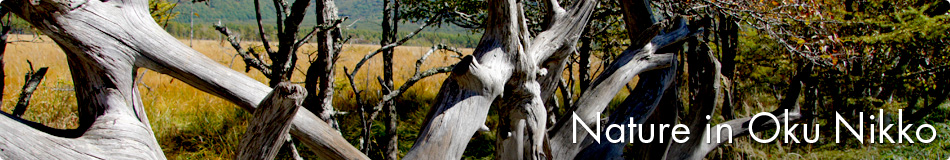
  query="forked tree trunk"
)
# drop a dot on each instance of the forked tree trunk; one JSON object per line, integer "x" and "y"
{"x": 105, "y": 42}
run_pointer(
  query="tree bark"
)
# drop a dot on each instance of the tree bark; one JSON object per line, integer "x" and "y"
{"x": 705, "y": 91}
{"x": 104, "y": 43}
{"x": 728, "y": 41}
{"x": 642, "y": 103}
{"x": 629, "y": 64}
{"x": 390, "y": 27}
{"x": 663, "y": 115}
{"x": 320, "y": 75}
{"x": 464, "y": 99}
{"x": 267, "y": 131}
{"x": 32, "y": 79}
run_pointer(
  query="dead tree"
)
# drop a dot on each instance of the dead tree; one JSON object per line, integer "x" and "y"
{"x": 389, "y": 40}
{"x": 319, "y": 77}
{"x": 511, "y": 70}
{"x": 107, "y": 41}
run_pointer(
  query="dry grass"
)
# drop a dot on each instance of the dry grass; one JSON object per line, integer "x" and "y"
{"x": 187, "y": 122}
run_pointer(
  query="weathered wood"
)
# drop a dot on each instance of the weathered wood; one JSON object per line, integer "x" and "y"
{"x": 477, "y": 80}
{"x": 536, "y": 75}
{"x": 668, "y": 114}
{"x": 104, "y": 42}
{"x": 629, "y": 64}
{"x": 32, "y": 79}
{"x": 107, "y": 41}
{"x": 705, "y": 91}
{"x": 650, "y": 88}
{"x": 550, "y": 49}
{"x": 267, "y": 131}
{"x": 639, "y": 105}
{"x": 115, "y": 135}
{"x": 466, "y": 95}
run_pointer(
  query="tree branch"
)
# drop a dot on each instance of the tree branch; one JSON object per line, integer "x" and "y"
{"x": 249, "y": 60}
{"x": 416, "y": 77}
{"x": 267, "y": 131}
{"x": 639, "y": 106}
{"x": 32, "y": 79}
{"x": 552, "y": 47}
{"x": 356, "y": 68}
{"x": 260, "y": 27}
{"x": 629, "y": 64}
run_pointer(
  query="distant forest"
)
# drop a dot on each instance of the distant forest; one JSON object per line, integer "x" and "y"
{"x": 364, "y": 17}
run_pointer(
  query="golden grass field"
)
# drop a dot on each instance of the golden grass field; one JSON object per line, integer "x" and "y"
{"x": 177, "y": 110}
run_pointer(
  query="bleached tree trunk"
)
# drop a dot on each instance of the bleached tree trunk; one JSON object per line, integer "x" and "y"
{"x": 105, "y": 42}
{"x": 464, "y": 99}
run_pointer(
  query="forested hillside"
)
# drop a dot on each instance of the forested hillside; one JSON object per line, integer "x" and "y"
{"x": 364, "y": 17}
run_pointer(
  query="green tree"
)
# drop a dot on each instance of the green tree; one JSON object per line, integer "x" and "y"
{"x": 162, "y": 11}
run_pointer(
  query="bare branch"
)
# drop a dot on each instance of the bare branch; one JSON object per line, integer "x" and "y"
{"x": 260, "y": 27}
{"x": 409, "y": 83}
{"x": 464, "y": 20}
{"x": 356, "y": 68}
{"x": 249, "y": 60}
{"x": 361, "y": 111}
{"x": 552, "y": 47}
{"x": 467, "y": 94}
{"x": 416, "y": 77}
{"x": 317, "y": 29}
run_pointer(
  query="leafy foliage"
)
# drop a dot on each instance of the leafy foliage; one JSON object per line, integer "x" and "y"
{"x": 162, "y": 11}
